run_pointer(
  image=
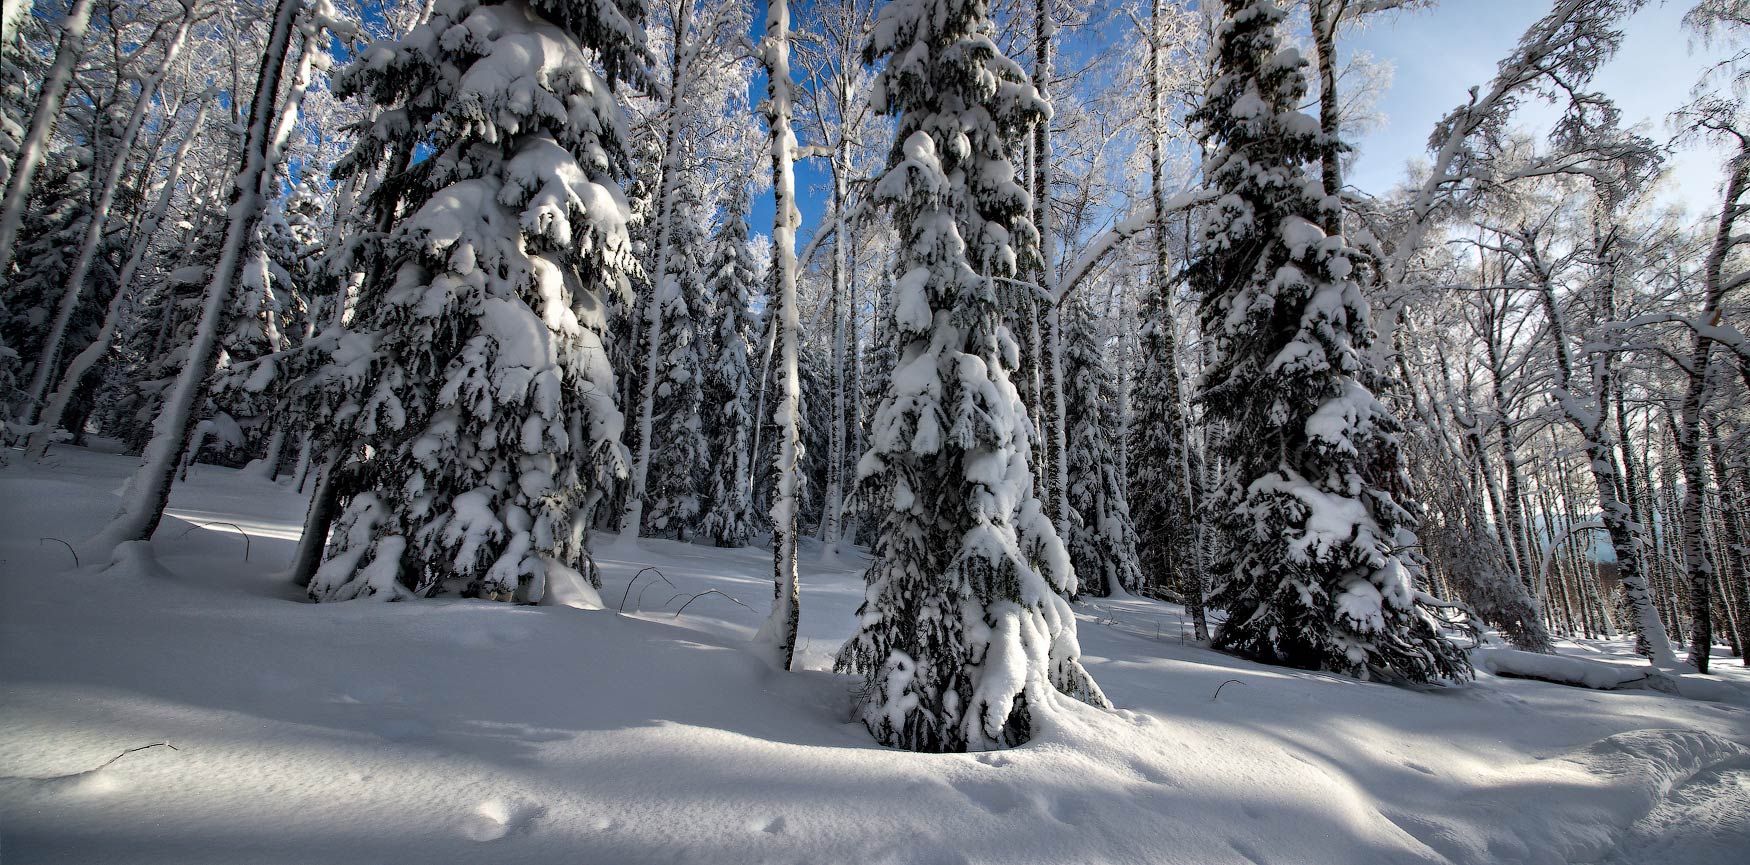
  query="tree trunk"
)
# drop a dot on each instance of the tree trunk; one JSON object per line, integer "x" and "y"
{"x": 1043, "y": 29}
{"x": 833, "y": 514}
{"x": 1689, "y": 445}
{"x": 149, "y": 490}
{"x": 779, "y": 631}
{"x": 42, "y": 126}
{"x": 318, "y": 517}
{"x": 88, "y": 358}
{"x": 1183, "y": 571}
{"x": 668, "y": 186}
{"x": 1734, "y": 503}
{"x": 1650, "y": 634}
{"x": 1325, "y": 14}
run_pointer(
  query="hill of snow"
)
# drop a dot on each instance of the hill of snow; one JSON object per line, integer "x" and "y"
{"x": 465, "y": 731}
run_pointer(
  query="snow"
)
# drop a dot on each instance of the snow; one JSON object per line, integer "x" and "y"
{"x": 457, "y": 731}
{"x": 1561, "y": 669}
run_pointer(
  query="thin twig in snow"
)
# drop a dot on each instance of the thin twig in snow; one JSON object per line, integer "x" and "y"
{"x": 70, "y": 550}
{"x": 634, "y": 581}
{"x": 246, "y": 543}
{"x": 677, "y": 613}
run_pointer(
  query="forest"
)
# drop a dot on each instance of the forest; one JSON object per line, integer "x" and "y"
{"x": 988, "y": 375}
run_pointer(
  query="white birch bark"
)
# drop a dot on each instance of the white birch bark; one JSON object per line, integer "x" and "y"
{"x": 82, "y": 363}
{"x": 42, "y": 125}
{"x": 632, "y": 519}
{"x": 778, "y": 634}
{"x": 148, "y": 491}
{"x": 833, "y": 516}
{"x": 1651, "y": 638}
{"x": 1042, "y": 219}
{"x": 1692, "y": 453}
{"x": 74, "y": 291}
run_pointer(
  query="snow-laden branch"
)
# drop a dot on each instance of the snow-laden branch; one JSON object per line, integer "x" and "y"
{"x": 1567, "y": 44}
{"x": 1549, "y": 552}
{"x": 1104, "y": 243}
{"x": 1719, "y": 333}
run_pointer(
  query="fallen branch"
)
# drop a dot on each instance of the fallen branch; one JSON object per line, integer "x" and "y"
{"x": 246, "y": 543}
{"x": 70, "y": 550}
{"x": 634, "y": 581}
{"x": 677, "y": 613}
{"x": 1218, "y": 688}
{"x": 98, "y": 768}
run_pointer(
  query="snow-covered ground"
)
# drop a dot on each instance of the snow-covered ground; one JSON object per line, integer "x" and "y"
{"x": 465, "y": 731}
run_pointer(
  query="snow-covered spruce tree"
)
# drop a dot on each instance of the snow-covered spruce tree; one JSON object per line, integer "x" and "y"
{"x": 963, "y": 635}
{"x": 49, "y": 245}
{"x": 1102, "y": 540}
{"x": 295, "y": 243}
{"x": 1316, "y": 572}
{"x": 253, "y": 330}
{"x": 481, "y": 385}
{"x": 20, "y": 68}
{"x": 1164, "y": 471}
{"x": 679, "y": 457}
{"x": 680, "y": 136}
{"x": 166, "y": 315}
{"x": 879, "y": 357}
{"x": 728, "y": 519}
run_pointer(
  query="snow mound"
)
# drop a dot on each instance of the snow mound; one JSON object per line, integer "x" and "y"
{"x": 1585, "y": 800}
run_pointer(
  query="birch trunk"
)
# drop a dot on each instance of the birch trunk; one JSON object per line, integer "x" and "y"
{"x": 88, "y": 358}
{"x": 148, "y": 491}
{"x": 1650, "y": 635}
{"x": 668, "y": 185}
{"x": 1689, "y": 445}
{"x": 1325, "y": 14}
{"x": 1181, "y": 569}
{"x": 1044, "y": 28}
{"x": 779, "y": 632}
{"x": 42, "y": 126}
{"x": 1734, "y": 503}
{"x": 74, "y": 291}
{"x": 833, "y": 515}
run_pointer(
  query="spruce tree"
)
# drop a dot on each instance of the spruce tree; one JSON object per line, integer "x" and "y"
{"x": 1315, "y": 508}
{"x": 964, "y": 637}
{"x": 680, "y": 457}
{"x": 1102, "y": 539}
{"x": 167, "y": 314}
{"x": 728, "y": 520}
{"x": 49, "y": 241}
{"x": 1165, "y": 471}
{"x": 478, "y": 377}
